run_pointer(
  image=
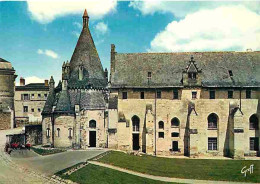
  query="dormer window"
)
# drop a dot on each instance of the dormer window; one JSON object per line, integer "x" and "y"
{"x": 192, "y": 75}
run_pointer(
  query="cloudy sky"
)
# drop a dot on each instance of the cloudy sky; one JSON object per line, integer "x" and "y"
{"x": 38, "y": 36}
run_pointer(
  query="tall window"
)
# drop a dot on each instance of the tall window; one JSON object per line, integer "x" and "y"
{"x": 58, "y": 132}
{"x": 194, "y": 94}
{"x": 230, "y": 94}
{"x": 25, "y": 108}
{"x": 70, "y": 133}
{"x": 142, "y": 95}
{"x": 212, "y": 143}
{"x": 124, "y": 95}
{"x": 92, "y": 124}
{"x": 254, "y": 144}
{"x": 136, "y": 123}
{"x": 175, "y": 122}
{"x": 48, "y": 132}
{"x": 211, "y": 94}
{"x": 248, "y": 94}
{"x": 175, "y": 94}
{"x": 175, "y": 146}
{"x": 161, "y": 125}
{"x": 212, "y": 121}
{"x": 158, "y": 94}
{"x": 253, "y": 122}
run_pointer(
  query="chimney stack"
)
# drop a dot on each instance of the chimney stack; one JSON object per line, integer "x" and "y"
{"x": 22, "y": 81}
{"x": 46, "y": 82}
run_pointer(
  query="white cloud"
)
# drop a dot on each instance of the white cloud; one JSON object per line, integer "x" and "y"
{"x": 31, "y": 79}
{"x": 46, "y": 11}
{"x": 182, "y": 8}
{"x": 101, "y": 28}
{"x": 49, "y": 53}
{"x": 78, "y": 25}
{"x": 223, "y": 28}
{"x": 75, "y": 33}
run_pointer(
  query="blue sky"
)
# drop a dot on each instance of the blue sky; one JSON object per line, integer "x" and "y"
{"x": 37, "y": 37}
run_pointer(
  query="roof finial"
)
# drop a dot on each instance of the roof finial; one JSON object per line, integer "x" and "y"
{"x": 85, "y": 18}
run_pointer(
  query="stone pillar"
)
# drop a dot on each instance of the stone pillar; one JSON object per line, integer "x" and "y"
{"x": 149, "y": 118}
{"x": 238, "y": 136}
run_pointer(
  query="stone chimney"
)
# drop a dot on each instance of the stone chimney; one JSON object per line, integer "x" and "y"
{"x": 22, "y": 81}
{"x": 46, "y": 82}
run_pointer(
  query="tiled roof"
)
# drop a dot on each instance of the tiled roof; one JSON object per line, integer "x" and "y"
{"x": 33, "y": 87}
{"x": 131, "y": 69}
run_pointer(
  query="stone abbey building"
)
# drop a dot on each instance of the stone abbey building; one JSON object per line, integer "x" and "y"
{"x": 187, "y": 103}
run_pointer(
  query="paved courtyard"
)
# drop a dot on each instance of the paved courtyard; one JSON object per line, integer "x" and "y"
{"x": 29, "y": 167}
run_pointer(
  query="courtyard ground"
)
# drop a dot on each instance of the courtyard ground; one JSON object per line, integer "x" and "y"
{"x": 206, "y": 169}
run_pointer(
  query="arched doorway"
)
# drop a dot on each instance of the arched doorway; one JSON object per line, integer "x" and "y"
{"x": 136, "y": 125}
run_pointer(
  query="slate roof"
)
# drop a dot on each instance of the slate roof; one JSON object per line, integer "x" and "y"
{"x": 131, "y": 69}
{"x": 5, "y": 65}
{"x": 113, "y": 102}
{"x": 86, "y": 54}
{"x": 49, "y": 102}
{"x": 33, "y": 87}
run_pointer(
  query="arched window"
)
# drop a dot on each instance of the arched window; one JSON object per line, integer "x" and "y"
{"x": 92, "y": 124}
{"x": 58, "y": 132}
{"x": 212, "y": 121}
{"x": 48, "y": 132}
{"x": 136, "y": 123}
{"x": 253, "y": 122}
{"x": 70, "y": 133}
{"x": 161, "y": 125}
{"x": 175, "y": 122}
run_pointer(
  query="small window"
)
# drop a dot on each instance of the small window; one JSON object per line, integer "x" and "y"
{"x": 39, "y": 95}
{"x": 253, "y": 122}
{"x": 25, "y": 108}
{"x": 175, "y": 134}
{"x": 192, "y": 75}
{"x": 161, "y": 134}
{"x": 248, "y": 94}
{"x": 142, "y": 95}
{"x": 211, "y": 94}
{"x": 32, "y": 109}
{"x": 230, "y": 73}
{"x": 158, "y": 94}
{"x": 92, "y": 124}
{"x": 149, "y": 75}
{"x": 212, "y": 121}
{"x": 175, "y": 122}
{"x": 254, "y": 146}
{"x": 39, "y": 110}
{"x": 70, "y": 133}
{"x": 175, "y": 94}
{"x": 194, "y": 94}
{"x": 212, "y": 143}
{"x": 124, "y": 94}
{"x": 32, "y": 95}
{"x": 25, "y": 97}
{"x": 48, "y": 132}
{"x": 230, "y": 94}
{"x": 45, "y": 96}
{"x": 161, "y": 125}
{"x": 58, "y": 132}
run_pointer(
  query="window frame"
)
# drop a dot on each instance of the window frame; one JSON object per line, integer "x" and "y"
{"x": 161, "y": 135}
{"x": 172, "y": 122}
{"x": 70, "y": 133}
{"x": 248, "y": 94}
{"x": 58, "y": 132}
{"x": 142, "y": 95}
{"x": 254, "y": 145}
{"x": 253, "y": 125}
{"x": 175, "y": 133}
{"x": 192, "y": 95}
{"x": 230, "y": 94}
{"x": 161, "y": 125}
{"x": 158, "y": 94}
{"x": 175, "y": 95}
{"x": 212, "y": 94}
{"x": 24, "y": 108}
{"x": 124, "y": 95}
{"x": 48, "y": 132}
{"x": 212, "y": 143}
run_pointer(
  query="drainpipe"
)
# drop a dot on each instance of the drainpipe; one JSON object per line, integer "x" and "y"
{"x": 155, "y": 121}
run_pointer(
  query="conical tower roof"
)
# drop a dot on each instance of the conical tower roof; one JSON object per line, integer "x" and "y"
{"x": 86, "y": 54}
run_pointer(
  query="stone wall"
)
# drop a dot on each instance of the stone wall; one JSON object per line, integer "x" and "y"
{"x": 5, "y": 120}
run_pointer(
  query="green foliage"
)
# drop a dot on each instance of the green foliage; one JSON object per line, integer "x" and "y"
{"x": 203, "y": 169}
{"x": 46, "y": 151}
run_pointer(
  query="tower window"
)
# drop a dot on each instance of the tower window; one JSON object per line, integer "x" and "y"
{"x": 175, "y": 94}
{"x": 230, "y": 73}
{"x": 48, "y": 132}
{"x": 124, "y": 95}
{"x": 211, "y": 94}
{"x": 158, "y": 94}
{"x": 161, "y": 135}
{"x": 230, "y": 94}
{"x": 70, "y": 133}
{"x": 58, "y": 132}
{"x": 192, "y": 75}
{"x": 142, "y": 95}
{"x": 248, "y": 94}
{"x": 149, "y": 75}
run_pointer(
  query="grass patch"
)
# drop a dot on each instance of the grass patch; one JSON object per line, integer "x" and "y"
{"x": 101, "y": 175}
{"x": 225, "y": 170}
{"x": 46, "y": 151}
